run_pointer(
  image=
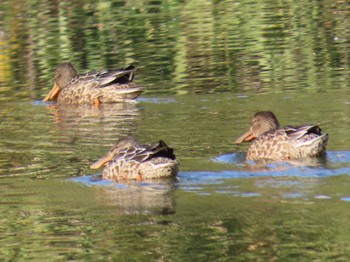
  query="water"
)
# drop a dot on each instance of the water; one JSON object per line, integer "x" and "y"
{"x": 207, "y": 67}
{"x": 219, "y": 208}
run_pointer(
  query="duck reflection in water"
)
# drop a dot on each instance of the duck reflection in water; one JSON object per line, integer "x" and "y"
{"x": 132, "y": 197}
{"x": 94, "y": 87}
{"x": 129, "y": 160}
{"x": 273, "y": 142}
{"x": 91, "y": 125}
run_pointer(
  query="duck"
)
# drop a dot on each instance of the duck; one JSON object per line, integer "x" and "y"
{"x": 130, "y": 160}
{"x": 273, "y": 142}
{"x": 107, "y": 86}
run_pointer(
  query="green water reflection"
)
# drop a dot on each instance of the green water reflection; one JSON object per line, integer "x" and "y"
{"x": 179, "y": 47}
{"x": 208, "y": 66}
{"x": 42, "y": 223}
{"x": 47, "y": 216}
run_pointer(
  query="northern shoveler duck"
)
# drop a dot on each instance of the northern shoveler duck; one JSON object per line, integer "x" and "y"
{"x": 94, "y": 87}
{"x": 271, "y": 141}
{"x": 129, "y": 160}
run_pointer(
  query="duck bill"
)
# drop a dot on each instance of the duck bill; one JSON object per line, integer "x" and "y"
{"x": 53, "y": 94}
{"x": 101, "y": 162}
{"x": 246, "y": 137}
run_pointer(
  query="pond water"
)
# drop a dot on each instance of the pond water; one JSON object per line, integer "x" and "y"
{"x": 207, "y": 68}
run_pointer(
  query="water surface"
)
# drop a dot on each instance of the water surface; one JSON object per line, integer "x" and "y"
{"x": 207, "y": 68}
{"x": 54, "y": 207}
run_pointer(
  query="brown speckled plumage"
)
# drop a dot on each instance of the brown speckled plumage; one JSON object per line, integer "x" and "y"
{"x": 104, "y": 87}
{"x": 129, "y": 160}
{"x": 271, "y": 141}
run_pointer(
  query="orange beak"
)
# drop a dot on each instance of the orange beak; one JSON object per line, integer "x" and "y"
{"x": 246, "y": 137}
{"x": 101, "y": 161}
{"x": 53, "y": 94}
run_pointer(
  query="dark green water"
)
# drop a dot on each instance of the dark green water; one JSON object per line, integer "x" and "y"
{"x": 207, "y": 67}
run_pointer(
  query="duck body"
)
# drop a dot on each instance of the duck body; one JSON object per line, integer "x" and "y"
{"x": 129, "y": 160}
{"x": 94, "y": 87}
{"x": 271, "y": 141}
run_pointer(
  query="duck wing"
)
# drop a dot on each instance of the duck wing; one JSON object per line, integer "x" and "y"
{"x": 106, "y": 78}
{"x": 300, "y": 131}
{"x": 120, "y": 76}
{"x": 143, "y": 153}
{"x": 162, "y": 150}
